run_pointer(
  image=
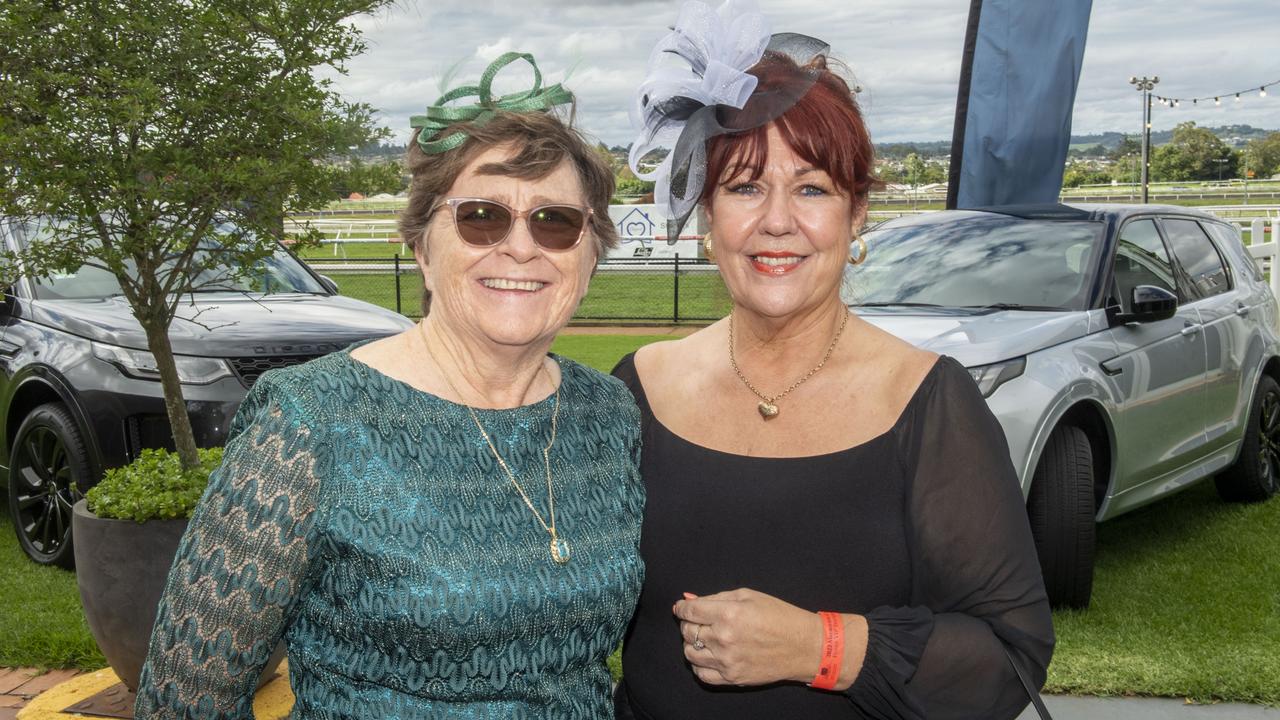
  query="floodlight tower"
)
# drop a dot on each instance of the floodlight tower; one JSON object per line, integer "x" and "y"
{"x": 1145, "y": 85}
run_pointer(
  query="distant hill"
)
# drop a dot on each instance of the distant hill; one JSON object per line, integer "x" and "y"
{"x": 1233, "y": 135}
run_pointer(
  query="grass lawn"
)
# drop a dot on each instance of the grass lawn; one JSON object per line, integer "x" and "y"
{"x": 355, "y": 250}
{"x": 613, "y": 295}
{"x": 601, "y": 352}
{"x": 619, "y": 295}
{"x": 41, "y": 620}
{"x": 1186, "y": 603}
{"x": 1186, "y": 600}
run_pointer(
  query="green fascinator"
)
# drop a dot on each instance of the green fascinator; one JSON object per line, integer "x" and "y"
{"x": 438, "y": 117}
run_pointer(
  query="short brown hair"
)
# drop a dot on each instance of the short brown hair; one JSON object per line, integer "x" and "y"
{"x": 541, "y": 141}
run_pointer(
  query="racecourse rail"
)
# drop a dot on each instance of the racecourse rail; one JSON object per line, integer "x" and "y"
{"x": 1259, "y": 226}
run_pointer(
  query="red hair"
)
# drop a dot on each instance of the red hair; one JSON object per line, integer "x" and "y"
{"x": 824, "y": 127}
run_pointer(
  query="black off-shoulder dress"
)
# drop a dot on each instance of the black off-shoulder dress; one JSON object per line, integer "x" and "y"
{"x": 922, "y": 529}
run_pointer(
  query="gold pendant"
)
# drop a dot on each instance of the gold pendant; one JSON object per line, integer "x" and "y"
{"x": 559, "y": 550}
{"x": 767, "y": 410}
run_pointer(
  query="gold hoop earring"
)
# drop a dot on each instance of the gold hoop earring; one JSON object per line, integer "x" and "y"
{"x": 862, "y": 251}
{"x": 706, "y": 247}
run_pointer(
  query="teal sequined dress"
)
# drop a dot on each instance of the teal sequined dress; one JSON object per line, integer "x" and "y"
{"x": 367, "y": 524}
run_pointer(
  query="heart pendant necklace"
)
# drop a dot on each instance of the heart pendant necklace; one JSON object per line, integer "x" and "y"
{"x": 768, "y": 405}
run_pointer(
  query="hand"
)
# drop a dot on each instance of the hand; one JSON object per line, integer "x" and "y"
{"x": 750, "y": 638}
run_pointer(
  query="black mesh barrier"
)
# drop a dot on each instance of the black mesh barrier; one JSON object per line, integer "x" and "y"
{"x": 622, "y": 290}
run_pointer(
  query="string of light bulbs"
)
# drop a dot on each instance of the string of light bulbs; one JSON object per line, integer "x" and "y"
{"x": 1216, "y": 98}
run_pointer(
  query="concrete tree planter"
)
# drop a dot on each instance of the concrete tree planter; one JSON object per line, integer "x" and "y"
{"x": 121, "y": 568}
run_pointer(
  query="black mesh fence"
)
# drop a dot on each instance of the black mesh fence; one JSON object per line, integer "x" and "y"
{"x": 622, "y": 290}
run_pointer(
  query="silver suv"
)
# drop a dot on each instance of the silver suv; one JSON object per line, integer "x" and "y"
{"x": 1128, "y": 351}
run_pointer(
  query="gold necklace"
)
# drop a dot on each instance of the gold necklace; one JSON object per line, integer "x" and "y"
{"x": 559, "y": 546}
{"x": 768, "y": 403}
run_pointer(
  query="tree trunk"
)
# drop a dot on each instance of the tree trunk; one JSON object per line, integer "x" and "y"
{"x": 175, "y": 405}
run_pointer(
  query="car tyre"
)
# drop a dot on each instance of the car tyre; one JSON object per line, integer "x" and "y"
{"x": 1255, "y": 476}
{"x": 1060, "y": 507}
{"x": 49, "y": 470}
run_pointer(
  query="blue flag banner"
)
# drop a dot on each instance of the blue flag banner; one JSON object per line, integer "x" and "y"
{"x": 1017, "y": 88}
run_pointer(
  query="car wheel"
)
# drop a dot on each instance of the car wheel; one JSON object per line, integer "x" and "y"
{"x": 48, "y": 472}
{"x": 1255, "y": 476}
{"x": 1060, "y": 507}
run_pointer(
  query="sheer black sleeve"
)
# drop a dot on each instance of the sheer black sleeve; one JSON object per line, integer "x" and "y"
{"x": 976, "y": 587}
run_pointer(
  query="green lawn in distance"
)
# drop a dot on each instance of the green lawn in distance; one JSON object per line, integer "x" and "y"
{"x": 602, "y": 352}
{"x": 613, "y": 295}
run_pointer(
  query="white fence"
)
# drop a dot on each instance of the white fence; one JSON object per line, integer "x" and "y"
{"x": 1264, "y": 250}
{"x": 1259, "y": 225}
{"x": 339, "y": 232}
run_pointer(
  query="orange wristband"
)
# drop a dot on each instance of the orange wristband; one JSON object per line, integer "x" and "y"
{"x": 832, "y": 651}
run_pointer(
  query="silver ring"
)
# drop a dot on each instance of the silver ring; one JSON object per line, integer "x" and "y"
{"x": 697, "y": 643}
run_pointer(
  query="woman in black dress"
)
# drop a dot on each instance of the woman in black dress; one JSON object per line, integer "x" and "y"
{"x": 797, "y": 459}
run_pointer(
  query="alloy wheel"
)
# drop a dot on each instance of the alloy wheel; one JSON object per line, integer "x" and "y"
{"x": 1269, "y": 440}
{"x": 45, "y": 490}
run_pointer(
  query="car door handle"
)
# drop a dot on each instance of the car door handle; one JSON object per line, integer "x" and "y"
{"x": 1190, "y": 329}
{"x": 1242, "y": 310}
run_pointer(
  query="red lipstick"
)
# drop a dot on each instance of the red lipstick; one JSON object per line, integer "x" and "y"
{"x": 775, "y": 268}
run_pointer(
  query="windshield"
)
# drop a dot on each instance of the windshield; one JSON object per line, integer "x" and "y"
{"x": 279, "y": 272}
{"x": 978, "y": 261}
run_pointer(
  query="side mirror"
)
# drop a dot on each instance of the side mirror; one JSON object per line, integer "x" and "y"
{"x": 329, "y": 284}
{"x": 1150, "y": 303}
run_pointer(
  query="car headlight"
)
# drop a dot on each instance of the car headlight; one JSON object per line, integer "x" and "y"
{"x": 142, "y": 365}
{"x": 990, "y": 377}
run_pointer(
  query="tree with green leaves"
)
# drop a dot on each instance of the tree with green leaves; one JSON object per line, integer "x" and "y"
{"x": 1128, "y": 147}
{"x": 166, "y": 140}
{"x": 1126, "y": 161}
{"x": 1194, "y": 153}
{"x": 1079, "y": 172}
{"x": 628, "y": 185}
{"x": 1263, "y": 155}
{"x": 890, "y": 173}
{"x": 357, "y": 176}
{"x": 913, "y": 170}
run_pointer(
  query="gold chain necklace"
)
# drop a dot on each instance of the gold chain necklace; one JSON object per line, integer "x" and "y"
{"x": 559, "y": 546}
{"x": 768, "y": 403}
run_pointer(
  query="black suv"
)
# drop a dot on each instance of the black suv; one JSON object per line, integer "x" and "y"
{"x": 80, "y": 393}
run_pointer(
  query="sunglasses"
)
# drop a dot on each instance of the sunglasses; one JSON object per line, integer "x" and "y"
{"x": 485, "y": 223}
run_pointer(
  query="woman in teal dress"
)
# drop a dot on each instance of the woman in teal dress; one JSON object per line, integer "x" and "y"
{"x": 443, "y": 523}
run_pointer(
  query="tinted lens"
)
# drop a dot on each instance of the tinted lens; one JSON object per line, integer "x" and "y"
{"x": 482, "y": 223}
{"x": 556, "y": 227}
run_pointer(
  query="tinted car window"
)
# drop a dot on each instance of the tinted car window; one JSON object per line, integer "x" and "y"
{"x": 978, "y": 260}
{"x": 1141, "y": 259}
{"x": 1198, "y": 257}
{"x": 1228, "y": 237}
{"x": 277, "y": 273}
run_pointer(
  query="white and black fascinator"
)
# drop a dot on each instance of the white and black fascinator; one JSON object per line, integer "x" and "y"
{"x": 697, "y": 86}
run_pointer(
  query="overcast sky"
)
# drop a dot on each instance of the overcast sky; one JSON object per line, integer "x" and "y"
{"x": 904, "y": 53}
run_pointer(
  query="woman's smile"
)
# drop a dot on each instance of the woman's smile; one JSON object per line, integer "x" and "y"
{"x": 512, "y": 285}
{"x": 776, "y": 263}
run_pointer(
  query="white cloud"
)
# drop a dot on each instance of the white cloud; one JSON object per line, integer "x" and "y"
{"x": 490, "y": 51}
{"x": 906, "y": 55}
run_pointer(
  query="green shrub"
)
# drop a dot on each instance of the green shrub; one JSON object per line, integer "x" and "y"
{"x": 152, "y": 487}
